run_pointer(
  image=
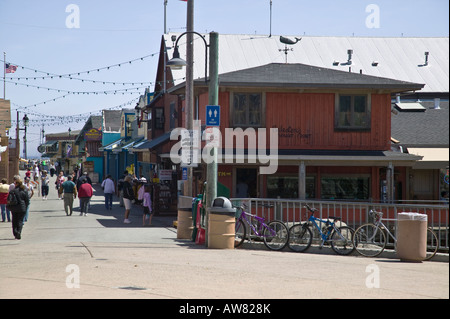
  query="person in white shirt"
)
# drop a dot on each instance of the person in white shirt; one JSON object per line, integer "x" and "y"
{"x": 108, "y": 190}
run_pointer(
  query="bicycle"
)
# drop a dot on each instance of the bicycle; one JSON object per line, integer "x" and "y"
{"x": 274, "y": 234}
{"x": 370, "y": 239}
{"x": 340, "y": 238}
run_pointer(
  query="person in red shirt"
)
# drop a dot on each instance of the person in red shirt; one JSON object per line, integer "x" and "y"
{"x": 84, "y": 194}
{"x": 4, "y": 191}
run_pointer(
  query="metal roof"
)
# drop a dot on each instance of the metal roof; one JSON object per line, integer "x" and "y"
{"x": 395, "y": 58}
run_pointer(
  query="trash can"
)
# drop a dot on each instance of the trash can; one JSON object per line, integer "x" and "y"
{"x": 412, "y": 236}
{"x": 185, "y": 224}
{"x": 221, "y": 226}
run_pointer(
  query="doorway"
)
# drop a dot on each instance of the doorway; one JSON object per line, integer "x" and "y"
{"x": 246, "y": 183}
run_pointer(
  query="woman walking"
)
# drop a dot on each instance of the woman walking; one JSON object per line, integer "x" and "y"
{"x": 18, "y": 203}
{"x": 4, "y": 191}
{"x": 84, "y": 194}
{"x": 44, "y": 182}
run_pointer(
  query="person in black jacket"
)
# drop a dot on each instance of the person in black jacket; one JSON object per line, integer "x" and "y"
{"x": 18, "y": 211}
{"x": 128, "y": 197}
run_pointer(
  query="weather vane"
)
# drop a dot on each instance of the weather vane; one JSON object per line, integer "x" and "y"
{"x": 287, "y": 42}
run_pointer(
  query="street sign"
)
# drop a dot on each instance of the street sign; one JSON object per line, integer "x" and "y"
{"x": 213, "y": 115}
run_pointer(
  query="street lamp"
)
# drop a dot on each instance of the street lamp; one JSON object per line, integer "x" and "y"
{"x": 26, "y": 121}
{"x": 177, "y": 63}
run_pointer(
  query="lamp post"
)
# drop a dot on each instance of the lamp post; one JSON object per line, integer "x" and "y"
{"x": 26, "y": 121}
{"x": 177, "y": 62}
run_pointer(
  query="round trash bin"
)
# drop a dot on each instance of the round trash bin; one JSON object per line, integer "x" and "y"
{"x": 185, "y": 224}
{"x": 412, "y": 236}
{"x": 221, "y": 224}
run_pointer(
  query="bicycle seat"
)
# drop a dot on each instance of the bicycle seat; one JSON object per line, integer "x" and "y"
{"x": 334, "y": 218}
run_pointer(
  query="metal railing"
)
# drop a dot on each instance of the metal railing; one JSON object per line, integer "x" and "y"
{"x": 352, "y": 213}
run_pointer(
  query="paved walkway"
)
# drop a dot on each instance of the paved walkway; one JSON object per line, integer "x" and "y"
{"x": 109, "y": 259}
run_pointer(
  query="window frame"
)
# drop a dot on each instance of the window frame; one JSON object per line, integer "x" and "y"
{"x": 262, "y": 121}
{"x": 352, "y": 127}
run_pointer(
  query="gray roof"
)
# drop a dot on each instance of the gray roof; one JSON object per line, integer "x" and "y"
{"x": 400, "y": 58}
{"x": 111, "y": 120}
{"x": 307, "y": 76}
{"x": 419, "y": 129}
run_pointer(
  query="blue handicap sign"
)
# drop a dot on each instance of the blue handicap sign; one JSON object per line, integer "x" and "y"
{"x": 213, "y": 115}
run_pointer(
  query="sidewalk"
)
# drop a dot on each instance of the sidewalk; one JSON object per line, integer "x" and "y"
{"x": 110, "y": 259}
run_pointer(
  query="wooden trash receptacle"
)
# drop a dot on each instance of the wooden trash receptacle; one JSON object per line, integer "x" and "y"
{"x": 185, "y": 224}
{"x": 221, "y": 230}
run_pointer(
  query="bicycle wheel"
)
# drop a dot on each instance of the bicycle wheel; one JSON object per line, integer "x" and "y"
{"x": 342, "y": 240}
{"x": 432, "y": 244}
{"x": 300, "y": 238}
{"x": 240, "y": 233}
{"x": 276, "y": 235}
{"x": 369, "y": 240}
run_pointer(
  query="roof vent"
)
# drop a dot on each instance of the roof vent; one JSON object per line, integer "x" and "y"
{"x": 410, "y": 107}
{"x": 437, "y": 102}
{"x": 350, "y": 54}
{"x": 426, "y": 58}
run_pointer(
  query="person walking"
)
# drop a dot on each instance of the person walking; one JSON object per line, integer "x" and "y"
{"x": 59, "y": 181}
{"x": 147, "y": 204}
{"x": 4, "y": 191}
{"x": 128, "y": 197}
{"x": 70, "y": 193}
{"x": 18, "y": 207}
{"x": 44, "y": 184}
{"x": 30, "y": 189}
{"x": 84, "y": 194}
{"x": 108, "y": 190}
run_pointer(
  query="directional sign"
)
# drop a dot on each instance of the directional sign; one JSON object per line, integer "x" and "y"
{"x": 213, "y": 115}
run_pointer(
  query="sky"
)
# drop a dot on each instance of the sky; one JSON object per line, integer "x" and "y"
{"x": 58, "y": 37}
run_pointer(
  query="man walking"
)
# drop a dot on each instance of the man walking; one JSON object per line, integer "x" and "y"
{"x": 108, "y": 190}
{"x": 70, "y": 193}
{"x": 84, "y": 194}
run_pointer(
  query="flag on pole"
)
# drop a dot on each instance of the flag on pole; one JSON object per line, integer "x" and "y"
{"x": 10, "y": 68}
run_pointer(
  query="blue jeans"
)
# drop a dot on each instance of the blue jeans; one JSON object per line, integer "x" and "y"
{"x": 108, "y": 200}
{"x": 5, "y": 213}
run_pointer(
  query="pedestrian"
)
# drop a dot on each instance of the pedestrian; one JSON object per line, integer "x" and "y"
{"x": 30, "y": 189}
{"x": 147, "y": 203}
{"x": 28, "y": 172}
{"x": 108, "y": 190}
{"x": 128, "y": 197}
{"x": 70, "y": 193}
{"x": 84, "y": 194}
{"x": 4, "y": 191}
{"x": 18, "y": 203}
{"x": 44, "y": 184}
{"x": 52, "y": 169}
{"x": 120, "y": 187}
{"x": 35, "y": 173}
{"x": 59, "y": 181}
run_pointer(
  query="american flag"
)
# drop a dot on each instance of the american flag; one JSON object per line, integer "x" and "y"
{"x": 10, "y": 68}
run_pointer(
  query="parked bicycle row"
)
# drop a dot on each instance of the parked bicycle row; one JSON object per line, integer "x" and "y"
{"x": 368, "y": 240}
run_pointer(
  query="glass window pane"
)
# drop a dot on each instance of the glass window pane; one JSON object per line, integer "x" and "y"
{"x": 345, "y": 110}
{"x": 254, "y": 109}
{"x": 239, "y": 114}
{"x": 360, "y": 112}
{"x": 345, "y": 188}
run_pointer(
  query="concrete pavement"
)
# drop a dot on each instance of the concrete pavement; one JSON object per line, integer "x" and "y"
{"x": 98, "y": 256}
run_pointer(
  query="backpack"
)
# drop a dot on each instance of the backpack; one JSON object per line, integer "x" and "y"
{"x": 12, "y": 199}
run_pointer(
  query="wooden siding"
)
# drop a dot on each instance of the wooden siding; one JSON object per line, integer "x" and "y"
{"x": 306, "y": 121}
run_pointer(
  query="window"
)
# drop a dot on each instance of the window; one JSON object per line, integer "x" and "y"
{"x": 159, "y": 119}
{"x": 287, "y": 187}
{"x": 344, "y": 187}
{"x": 247, "y": 109}
{"x": 352, "y": 112}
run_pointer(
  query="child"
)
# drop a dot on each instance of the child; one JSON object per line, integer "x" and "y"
{"x": 147, "y": 203}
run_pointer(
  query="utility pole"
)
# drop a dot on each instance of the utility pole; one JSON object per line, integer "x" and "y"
{"x": 190, "y": 83}
{"x": 211, "y": 187}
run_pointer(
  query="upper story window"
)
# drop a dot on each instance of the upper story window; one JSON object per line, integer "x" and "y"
{"x": 247, "y": 110}
{"x": 352, "y": 112}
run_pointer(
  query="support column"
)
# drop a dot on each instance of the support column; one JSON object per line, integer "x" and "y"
{"x": 302, "y": 181}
